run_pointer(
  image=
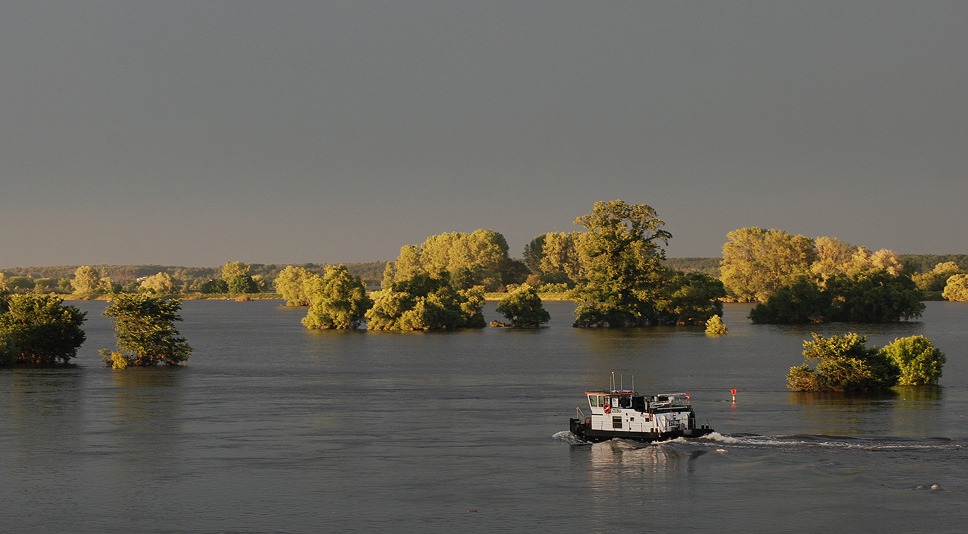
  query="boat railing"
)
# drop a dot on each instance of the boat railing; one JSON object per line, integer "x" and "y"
{"x": 581, "y": 414}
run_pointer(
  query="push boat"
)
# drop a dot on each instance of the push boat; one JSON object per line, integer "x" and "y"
{"x": 621, "y": 413}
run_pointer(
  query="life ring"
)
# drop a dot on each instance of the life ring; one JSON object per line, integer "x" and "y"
{"x": 608, "y": 409}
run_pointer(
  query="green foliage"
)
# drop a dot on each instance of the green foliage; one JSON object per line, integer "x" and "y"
{"x": 802, "y": 302}
{"x": 843, "y": 364}
{"x": 533, "y": 254}
{"x": 957, "y": 288}
{"x": 716, "y": 327}
{"x": 917, "y": 361}
{"x": 483, "y": 253}
{"x": 689, "y": 299}
{"x": 937, "y": 279}
{"x": 19, "y": 283}
{"x": 873, "y": 296}
{"x": 39, "y": 330}
{"x": 523, "y": 308}
{"x": 922, "y": 263}
{"x": 241, "y": 284}
{"x": 620, "y": 259}
{"x": 425, "y": 302}
{"x": 161, "y": 284}
{"x": 757, "y": 263}
{"x": 86, "y": 280}
{"x": 560, "y": 260}
{"x": 145, "y": 330}
{"x": 215, "y": 286}
{"x": 291, "y": 284}
{"x": 337, "y": 300}
{"x": 231, "y": 269}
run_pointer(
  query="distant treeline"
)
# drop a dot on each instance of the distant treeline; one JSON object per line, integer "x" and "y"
{"x": 371, "y": 272}
{"x": 924, "y": 263}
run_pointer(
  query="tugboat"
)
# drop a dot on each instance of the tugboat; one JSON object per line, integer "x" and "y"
{"x": 620, "y": 413}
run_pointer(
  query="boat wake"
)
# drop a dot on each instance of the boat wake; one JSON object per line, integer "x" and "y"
{"x": 717, "y": 441}
{"x": 800, "y": 441}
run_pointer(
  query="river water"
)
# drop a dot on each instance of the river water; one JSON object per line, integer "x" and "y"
{"x": 273, "y": 427}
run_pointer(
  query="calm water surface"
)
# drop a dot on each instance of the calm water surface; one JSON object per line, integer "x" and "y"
{"x": 272, "y": 427}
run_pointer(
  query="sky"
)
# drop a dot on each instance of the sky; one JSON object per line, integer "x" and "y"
{"x": 195, "y": 133}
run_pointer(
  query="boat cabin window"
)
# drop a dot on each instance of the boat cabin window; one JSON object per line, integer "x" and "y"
{"x": 596, "y": 401}
{"x": 617, "y": 421}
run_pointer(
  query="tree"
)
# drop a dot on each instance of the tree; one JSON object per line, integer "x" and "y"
{"x": 937, "y": 279}
{"x": 757, "y": 263}
{"x": 241, "y": 284}
{"x": 214, "y": 286}
{"x": 917, "y": 361}
{"x": 560, "y": 261}
{"x": 484, "y": 253}
{"x": 161, "y": 284}
{"x": 873, "y": 296}
{"x": 145, "y": 330}
{"x": 523, "y": 308}
{"x": 291, "y": 284}
{"x": 689, "y": 299}
{"x": 620, "y": 258}
{"x": 231, "y": 269}
{"x": 337, "y": 300}
{"x": 40, "y": 330}
{"x": 425, "y": 302}
{"x": 843, "y": 364}
{"x": 533, "y": 253}
{"x": 801, "y": 302}
{"x": 957, "y": 288}
{"x": 86, "y": 280}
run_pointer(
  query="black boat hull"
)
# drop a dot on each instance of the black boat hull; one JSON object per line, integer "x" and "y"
{"x": 584, "y": 432}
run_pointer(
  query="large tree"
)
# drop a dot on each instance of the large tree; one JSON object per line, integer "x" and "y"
{"x": 757, "y": 263}
{"x": 621, "y": 261}
{"x": 425, "y": 302}
{"x": 337, "y": 300}
{"x": 86, "y": 280}
{"x": 957, "y": 288}
{"x": 291, "y": 284}
{"x": 39, "y": 330}
{"x": 161, "y": 284}
{"x": 145, "y": 330}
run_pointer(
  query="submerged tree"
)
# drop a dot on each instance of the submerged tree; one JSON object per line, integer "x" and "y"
{"x": 337, "y": 300}
{"x": 425, "y": 302}
{"x": 523, "y": 308}
{"x": 843, "y": 364}
{"x": 145, "y": 330}
{"x": 39, "y": 330}
{"x": 620, "y": 258}
{"x": 918, "y": 362}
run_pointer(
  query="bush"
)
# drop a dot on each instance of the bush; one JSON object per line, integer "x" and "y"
{"x": 843, "y": 364}
{"x": 716, "y": 327}
{"x": 917, "y": 361}
{"x": 523, "y": 308}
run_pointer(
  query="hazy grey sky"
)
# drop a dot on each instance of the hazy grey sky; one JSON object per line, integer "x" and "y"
{"x": 194, "y": 133}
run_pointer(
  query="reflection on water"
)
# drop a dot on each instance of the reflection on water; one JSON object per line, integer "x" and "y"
{"x": 905, "y": 410}
{"x": 619, "y": 457}
{"x": 147, "y": 412}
